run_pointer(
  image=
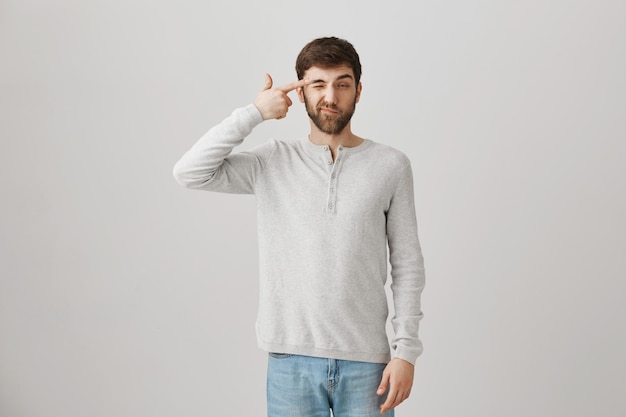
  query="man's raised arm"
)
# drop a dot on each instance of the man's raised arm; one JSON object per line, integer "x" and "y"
{"x": 209, "y": 165}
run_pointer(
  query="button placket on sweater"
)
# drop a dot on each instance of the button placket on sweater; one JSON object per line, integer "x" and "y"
{"x": 335, "y": 167}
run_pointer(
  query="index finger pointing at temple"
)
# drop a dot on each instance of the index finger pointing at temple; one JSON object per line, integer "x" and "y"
{"x": 292, "y": 86}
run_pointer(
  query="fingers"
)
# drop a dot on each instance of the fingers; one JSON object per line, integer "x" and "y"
{"x": 284, "y": 88}
{"x": 399, "y": 389}
{"x": 288, "y": 103}
{"x": 273, "y": 103}
{"x": 268, "y": 82}
{"x": 382, "y": 389}
{"x": 390, "y": 402}
{"x": 292, "y": 86}
{"x": 384, "y": 383}
{"x": 394, "y": 399}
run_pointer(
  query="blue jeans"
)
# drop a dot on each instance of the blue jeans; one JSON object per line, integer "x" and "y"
{"x": 304, "y": 386}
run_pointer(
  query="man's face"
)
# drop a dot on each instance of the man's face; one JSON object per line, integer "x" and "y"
{"x": 330, "y": 98}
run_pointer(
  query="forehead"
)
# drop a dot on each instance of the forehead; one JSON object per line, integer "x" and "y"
{"x": 328, "y": 74}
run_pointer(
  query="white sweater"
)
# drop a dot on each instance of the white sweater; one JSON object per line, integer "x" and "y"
{"x": 323, "y": 230}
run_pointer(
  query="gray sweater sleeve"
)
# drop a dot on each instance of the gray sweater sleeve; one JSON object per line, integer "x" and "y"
{"x": 209, "y": 165}
{"x": 407, "y": 269}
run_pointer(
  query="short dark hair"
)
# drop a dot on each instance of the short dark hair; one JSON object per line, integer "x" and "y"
{"x": 328, "y": 52}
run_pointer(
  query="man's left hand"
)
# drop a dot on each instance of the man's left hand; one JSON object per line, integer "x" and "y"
{"x": 398, "y": 376}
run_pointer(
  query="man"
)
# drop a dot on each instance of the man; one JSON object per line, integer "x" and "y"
{"x": 328, "y": 206}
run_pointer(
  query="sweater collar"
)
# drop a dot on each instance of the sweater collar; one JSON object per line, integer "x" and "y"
{"x": 318, "y": 149}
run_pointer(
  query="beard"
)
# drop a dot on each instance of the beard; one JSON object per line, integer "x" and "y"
{"x": 331, "y": 124}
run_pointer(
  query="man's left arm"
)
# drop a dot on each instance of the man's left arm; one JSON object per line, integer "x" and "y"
{"x": 407, "y": 283}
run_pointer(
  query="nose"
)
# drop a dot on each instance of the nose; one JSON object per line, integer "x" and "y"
{"x": 330, "y": 95}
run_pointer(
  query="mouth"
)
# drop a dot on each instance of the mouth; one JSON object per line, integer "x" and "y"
{"x": 327, "y": 110}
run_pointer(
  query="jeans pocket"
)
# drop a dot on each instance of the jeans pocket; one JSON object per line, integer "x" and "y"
{"x": 280, "y": 355}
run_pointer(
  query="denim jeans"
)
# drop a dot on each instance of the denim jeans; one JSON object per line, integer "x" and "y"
{"x": 304, "y": 386}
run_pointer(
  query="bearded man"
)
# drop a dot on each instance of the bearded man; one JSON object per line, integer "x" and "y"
{"x": 330, "y": 205}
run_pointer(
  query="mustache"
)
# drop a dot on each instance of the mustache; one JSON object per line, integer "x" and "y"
{"x": 328, "y": 106}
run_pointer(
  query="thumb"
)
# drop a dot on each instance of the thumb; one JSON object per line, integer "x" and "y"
{"x": 382, "y": 388}
{"x": 268, "y": 82}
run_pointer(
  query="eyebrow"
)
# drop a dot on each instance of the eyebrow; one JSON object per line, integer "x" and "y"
{"x": 341, "y": 77}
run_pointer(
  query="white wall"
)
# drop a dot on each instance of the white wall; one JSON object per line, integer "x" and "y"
{"x": 123, "y": 294}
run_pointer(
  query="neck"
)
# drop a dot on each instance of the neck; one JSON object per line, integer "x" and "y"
{"x": 344, "y": 138}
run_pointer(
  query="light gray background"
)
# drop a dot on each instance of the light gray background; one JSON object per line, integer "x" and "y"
{"x": 123, "y": 294}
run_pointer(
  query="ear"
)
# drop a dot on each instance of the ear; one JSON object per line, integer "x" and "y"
{"x": 358, "y": 92}
{"x": 300, "y": 91}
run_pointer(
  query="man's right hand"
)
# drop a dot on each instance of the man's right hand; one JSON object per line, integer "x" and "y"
{"x": 273, "y": 103}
